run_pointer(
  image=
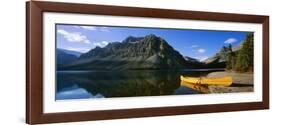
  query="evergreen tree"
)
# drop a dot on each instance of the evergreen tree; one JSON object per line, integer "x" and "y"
{"x": 224, "y": 52}
{"x": 245, "y": 56}
{"x": 230, "y": 58}
{"x": 240, "y": 62}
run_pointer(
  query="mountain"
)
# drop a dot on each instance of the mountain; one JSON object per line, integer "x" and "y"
{"x": 237, "y": 48}
{"x": 219, "y": 59}
{"x": 64, "y": 58}
{"x": 190, "y": 59}
{"x": 149, "y": 52}
{"x": 75, "y": 53}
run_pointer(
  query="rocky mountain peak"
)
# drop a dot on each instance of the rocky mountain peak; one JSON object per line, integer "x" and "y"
{"x": 132, "y": 39}
{"x": 148, "y": 52}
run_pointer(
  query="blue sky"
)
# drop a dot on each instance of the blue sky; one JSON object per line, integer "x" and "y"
{"x": 199, "y": 44}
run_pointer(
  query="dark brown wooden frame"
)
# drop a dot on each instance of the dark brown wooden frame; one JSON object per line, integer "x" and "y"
{"x": 34, "y": 61}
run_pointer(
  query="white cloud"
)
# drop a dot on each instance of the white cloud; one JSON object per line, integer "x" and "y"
{"x": 100, "y": 44}
{"x": 87, "y": 41}
{"x": 194, "y": 46}
{"x": 230, "y": 41}
{"x": 83, "y": 50}
{"x": 92, "y": 28}
{"x": 104, "y": 29}
{"x": 88, "y": 27}
{"x": 74, "y": 36}
{"x": 63, "y": 32}
{"x": 76, "y": 26}
{"x": 201, "y": 50}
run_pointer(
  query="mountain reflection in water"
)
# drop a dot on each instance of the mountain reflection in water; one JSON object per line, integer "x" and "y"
{"x": 104, "y": 84}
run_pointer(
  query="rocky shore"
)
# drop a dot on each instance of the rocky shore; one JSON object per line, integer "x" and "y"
{"x": 242, "y": 82}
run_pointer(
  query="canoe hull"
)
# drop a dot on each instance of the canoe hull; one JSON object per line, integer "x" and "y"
{"x": 197, "y": 87}
{"x": 224, "y": 81}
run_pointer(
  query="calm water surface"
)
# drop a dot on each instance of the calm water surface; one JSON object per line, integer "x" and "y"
{"x": 108, "y": 84}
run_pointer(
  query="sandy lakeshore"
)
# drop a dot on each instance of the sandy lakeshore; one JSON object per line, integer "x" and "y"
{"x": 242, "y": 82}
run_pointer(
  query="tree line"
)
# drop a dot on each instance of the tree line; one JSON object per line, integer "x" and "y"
{"x": 243, "y": 59}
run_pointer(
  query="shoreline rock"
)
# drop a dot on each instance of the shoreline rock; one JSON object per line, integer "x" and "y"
{"x": 238, "y": 78}
{"x": 223, "y": 89}
{"x": 242, "y": 82}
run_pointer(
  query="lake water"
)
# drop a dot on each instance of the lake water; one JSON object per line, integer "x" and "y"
{"x": 108, "y": 84}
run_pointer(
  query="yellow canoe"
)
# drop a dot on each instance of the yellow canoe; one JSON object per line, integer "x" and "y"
{"x": 224, "y": 81}
{"x": 197, "y": 87}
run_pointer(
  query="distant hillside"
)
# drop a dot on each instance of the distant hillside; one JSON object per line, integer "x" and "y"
{"x": 64, "y": 58}
{"x": 190, "y": 59}
{"x": 75, "y": 53}
{"x": 219, "y": 59}
{"x": 149, "y": 52}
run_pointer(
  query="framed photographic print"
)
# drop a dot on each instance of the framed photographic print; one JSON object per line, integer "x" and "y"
{"x": 95, "y": 62}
